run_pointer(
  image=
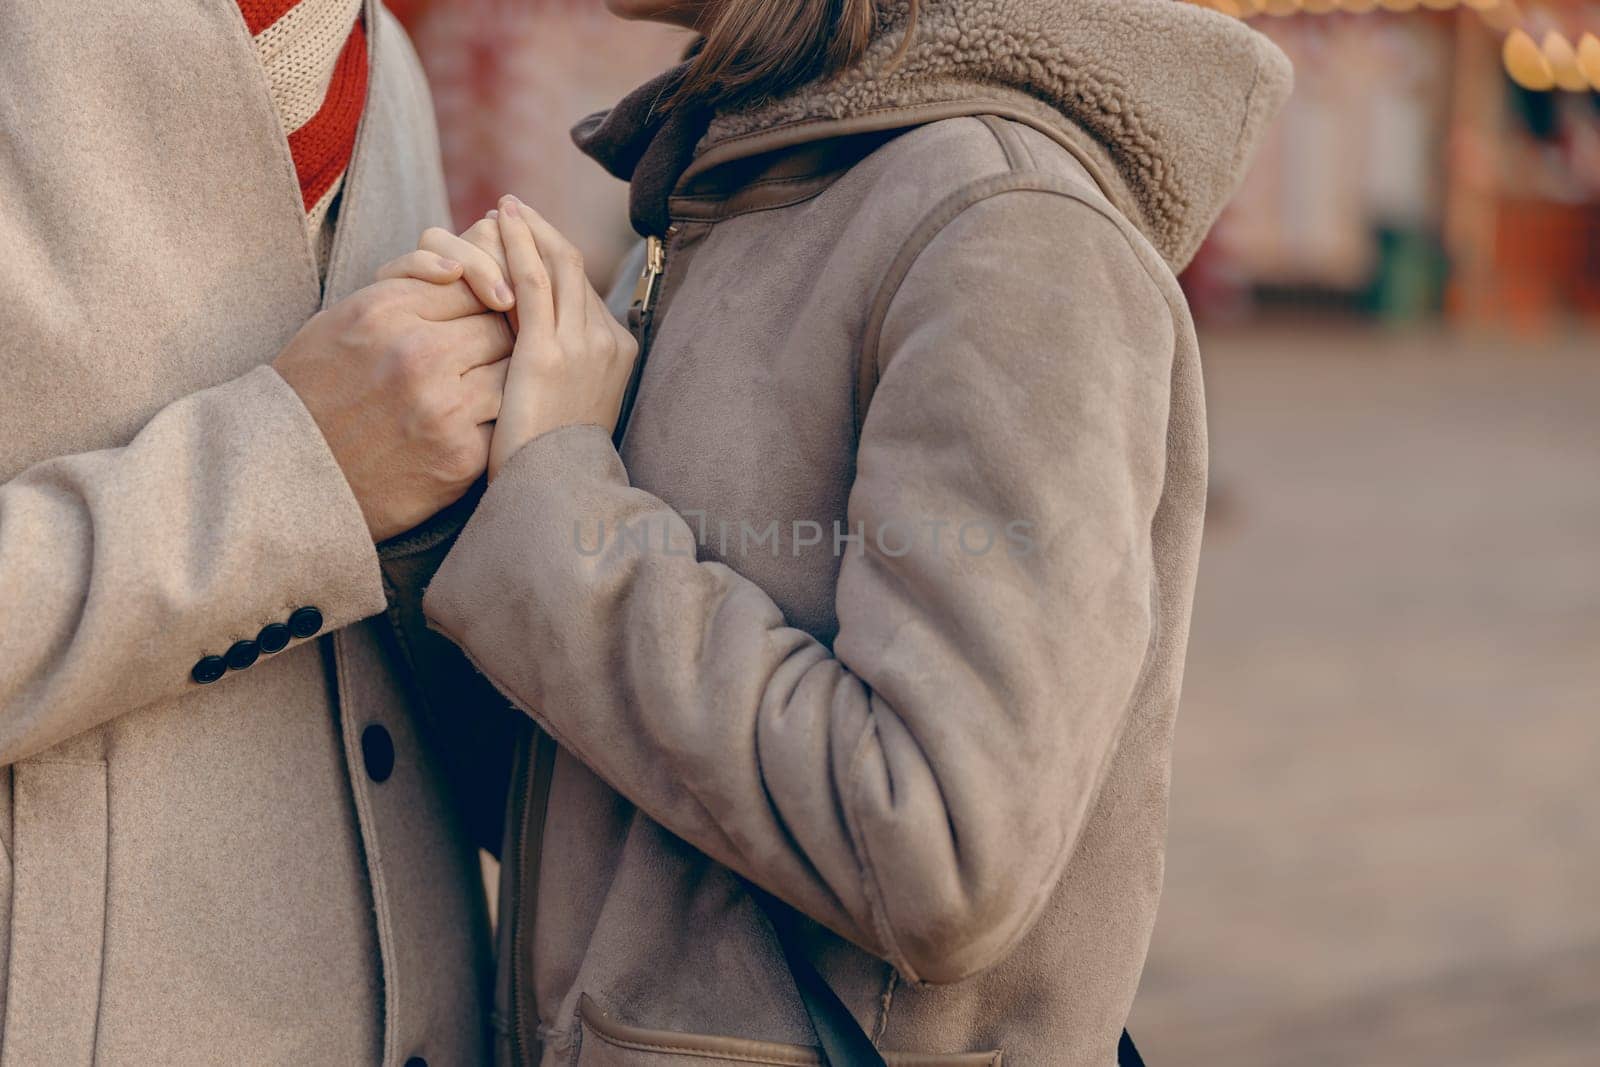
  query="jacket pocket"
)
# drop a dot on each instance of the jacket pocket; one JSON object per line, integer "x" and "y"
{"x": 604, "y": 1042}
{"x": 58, "y": 908}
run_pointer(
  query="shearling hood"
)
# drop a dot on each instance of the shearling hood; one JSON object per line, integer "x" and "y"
{"x": 1163, "y": 101}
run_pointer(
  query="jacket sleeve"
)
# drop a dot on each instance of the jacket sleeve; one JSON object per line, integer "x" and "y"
{"x": 919, "y": 786}
{"x": 121, "y": 569}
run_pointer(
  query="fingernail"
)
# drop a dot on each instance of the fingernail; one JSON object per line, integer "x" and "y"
{"x": 502, "y": 293}
{"x": 448, "y": 265}
{"x": 493, "y": 214}
{"x": 509, "y": 206}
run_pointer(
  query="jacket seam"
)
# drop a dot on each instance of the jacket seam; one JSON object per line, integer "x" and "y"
{"x": 699, "y": 1054}
{"x": 105, "y": 916}
{"x": 58, "y": 761}
{"x": 683, "y": 1046}
{"x": 715, "y": 217}
{"x": 871, "y": 883}
{"x": 1025, "y": 148}
{"x": 928, "y": 230}
{"x": 1006, "y": 139}
{"x": 763, "y": 183}
{"x": 686, "y": 204}
{"x": 885, "y": 1003}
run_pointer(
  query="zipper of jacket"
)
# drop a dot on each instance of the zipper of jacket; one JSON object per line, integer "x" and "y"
{"x": 533, "y": 782}
{"x": 641, "y": 316}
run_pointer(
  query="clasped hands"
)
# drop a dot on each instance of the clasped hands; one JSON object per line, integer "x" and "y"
{"x": 458, "y": 355}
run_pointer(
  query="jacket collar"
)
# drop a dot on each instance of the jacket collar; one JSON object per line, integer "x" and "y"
{"x": 646, "y": 145}
{"x": 1163, "y": 102}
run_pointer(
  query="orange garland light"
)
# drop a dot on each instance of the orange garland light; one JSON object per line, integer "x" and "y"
{"x": 1548, "y": 64}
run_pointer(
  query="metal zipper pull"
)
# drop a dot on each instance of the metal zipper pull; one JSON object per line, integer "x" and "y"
{"x": 644, "y": 294}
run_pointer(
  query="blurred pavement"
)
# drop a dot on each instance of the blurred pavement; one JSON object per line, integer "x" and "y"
{"x": 1386, "y": 804}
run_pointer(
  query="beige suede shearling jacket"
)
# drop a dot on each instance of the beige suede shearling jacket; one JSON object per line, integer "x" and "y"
{"x": 268, "y": 869}
{"x": 882, "y": 604}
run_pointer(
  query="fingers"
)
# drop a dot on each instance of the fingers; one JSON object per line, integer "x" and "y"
{"x": 424, "y": 266}
{"x": 476, "y": 340}
{"x": 536, "y": 308}
{"x": 485, "y": 386}
{"x": 564, "y": 263}
{"x": 482, "y": 269}
{"x": 485, "y": 233}
{"x": 436, "y": 303}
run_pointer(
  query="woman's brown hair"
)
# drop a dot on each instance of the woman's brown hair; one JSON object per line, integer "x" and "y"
{"x": 757, "y": 49}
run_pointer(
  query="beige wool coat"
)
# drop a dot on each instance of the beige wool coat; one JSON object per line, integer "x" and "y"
{"x": 268, "y": 869}
{"x": 883, "y": 603}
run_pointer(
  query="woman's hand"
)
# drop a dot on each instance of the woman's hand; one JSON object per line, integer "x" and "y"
{"x": 572, "y": 359}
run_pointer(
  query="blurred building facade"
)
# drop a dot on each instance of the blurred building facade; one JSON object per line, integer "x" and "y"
{"x": 1410, "y": 177}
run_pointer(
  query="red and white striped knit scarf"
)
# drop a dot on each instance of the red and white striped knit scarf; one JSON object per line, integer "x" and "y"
{"x": 315, "y": 56}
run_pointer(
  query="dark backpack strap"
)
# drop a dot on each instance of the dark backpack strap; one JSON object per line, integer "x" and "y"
{"x": 844, "y": 1043}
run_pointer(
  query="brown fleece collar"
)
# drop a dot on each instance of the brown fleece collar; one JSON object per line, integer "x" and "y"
{"x": 1171, "y": 96}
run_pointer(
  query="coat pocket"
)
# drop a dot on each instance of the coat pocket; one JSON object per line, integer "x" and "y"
{"x": 58, "y": 908}
{"x": 604, "y": 1042}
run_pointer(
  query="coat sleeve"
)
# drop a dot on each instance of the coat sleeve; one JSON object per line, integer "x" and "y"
{"x": 120, "y": 569}
{"x": 919, "y": 786}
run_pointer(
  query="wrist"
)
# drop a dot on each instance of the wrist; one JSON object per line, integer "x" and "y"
{"x": 379, "y": 525}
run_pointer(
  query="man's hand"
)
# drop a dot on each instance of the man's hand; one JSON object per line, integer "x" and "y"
{"x": 404, "y": 379}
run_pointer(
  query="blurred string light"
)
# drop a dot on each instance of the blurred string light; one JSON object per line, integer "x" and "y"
{"x": 1538, "y": 54}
